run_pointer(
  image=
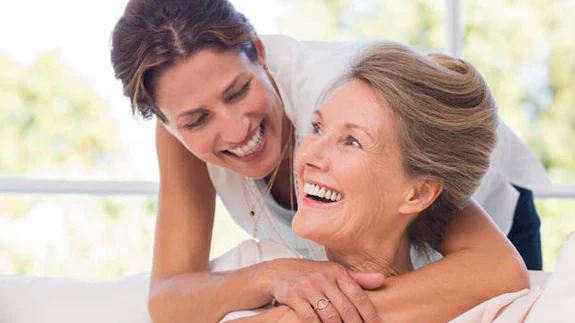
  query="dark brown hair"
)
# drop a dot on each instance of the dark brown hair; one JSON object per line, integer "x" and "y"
{"x": 447, "y": 121}
{"x": 153, "y": 35}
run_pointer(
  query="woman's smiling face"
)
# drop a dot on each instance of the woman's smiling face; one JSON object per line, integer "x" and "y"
{"x": 223, "y": 107}
{"x": 352, "y": 153}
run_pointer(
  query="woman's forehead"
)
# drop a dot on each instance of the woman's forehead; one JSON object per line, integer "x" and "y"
{"x": 354, "y": 102}
{"x": 200, "y": 78}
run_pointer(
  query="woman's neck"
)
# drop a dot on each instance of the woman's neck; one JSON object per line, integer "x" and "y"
{"x": 389, "y": 256}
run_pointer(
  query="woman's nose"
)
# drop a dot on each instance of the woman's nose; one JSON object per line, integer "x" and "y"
{"x": 235, "y": 128}
{"x": 313, "y": 154}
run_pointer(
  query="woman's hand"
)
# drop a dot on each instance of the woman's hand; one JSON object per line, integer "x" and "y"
{"x": 289, "y": 316}
{"x": 306, "y": 285}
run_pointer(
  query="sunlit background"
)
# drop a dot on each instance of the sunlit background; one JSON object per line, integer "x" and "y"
{"x": 63, "y": 116}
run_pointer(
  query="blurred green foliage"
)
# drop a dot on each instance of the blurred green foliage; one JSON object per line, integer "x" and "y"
{"x": 51, "y": 118}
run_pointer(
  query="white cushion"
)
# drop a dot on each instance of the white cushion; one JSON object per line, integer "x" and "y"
{"x": 25, "y": 299}
{"x": 32, "y": 299}
{"x": 538, "y": 278}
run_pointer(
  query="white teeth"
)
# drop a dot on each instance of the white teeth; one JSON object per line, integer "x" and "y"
{"x": 322, "y": 192}
{"x": 252, "y": 146}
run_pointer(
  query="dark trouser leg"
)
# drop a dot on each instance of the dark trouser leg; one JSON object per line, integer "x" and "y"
{"x": 525, "y": 231}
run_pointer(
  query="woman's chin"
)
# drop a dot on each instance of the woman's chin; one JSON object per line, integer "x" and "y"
{"x": 307, "y": 226}
{"x": 257, "y": 169}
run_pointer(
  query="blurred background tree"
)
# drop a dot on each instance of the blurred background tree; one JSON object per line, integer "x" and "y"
{"x": 54, "y": 123}
{"x": 51, "y": 118}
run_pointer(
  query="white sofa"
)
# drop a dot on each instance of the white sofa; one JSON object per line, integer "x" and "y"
{"x": 26, "y": 299}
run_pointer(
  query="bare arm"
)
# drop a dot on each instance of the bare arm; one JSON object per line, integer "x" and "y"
{"x": 181, "y": 288}
{"x": 479, "y": 263}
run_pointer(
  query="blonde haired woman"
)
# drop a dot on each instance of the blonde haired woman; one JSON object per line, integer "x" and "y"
{"x": 402, "y": 141}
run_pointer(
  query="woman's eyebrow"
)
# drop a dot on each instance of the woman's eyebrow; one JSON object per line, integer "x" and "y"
{"x": 190, "y": 112}
{"x": 350, "y": 125}
{"x": 225, "y": 93}
{"x": 230, "y": 86}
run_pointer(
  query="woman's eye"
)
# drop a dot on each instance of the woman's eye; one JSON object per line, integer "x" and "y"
{"x": 241, "y": 92}
{"x": 198, "y": 122}
{"x": 352, "y": 142}
{"x": 316, "y": 129}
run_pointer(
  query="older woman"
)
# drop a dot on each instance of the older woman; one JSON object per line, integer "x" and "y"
{"x": 397, "y": 148}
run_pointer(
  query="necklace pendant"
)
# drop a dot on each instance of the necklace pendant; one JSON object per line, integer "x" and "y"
{"x": 252, "y": 214}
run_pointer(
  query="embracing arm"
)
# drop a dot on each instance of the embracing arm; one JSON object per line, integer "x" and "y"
{"x": 181, "y": 288}
{"x": 479, "y": 263}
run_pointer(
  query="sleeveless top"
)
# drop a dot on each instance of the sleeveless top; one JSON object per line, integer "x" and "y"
{"x": 302, "y": 72}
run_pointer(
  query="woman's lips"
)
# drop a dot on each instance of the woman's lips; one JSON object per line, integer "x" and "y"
{"x": 255, "y": 154}
{"x": 317, "y": 194}
{"x": 308, "y": 201}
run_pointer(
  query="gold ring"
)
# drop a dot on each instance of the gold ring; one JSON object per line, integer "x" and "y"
{"x": 321, "y": 304}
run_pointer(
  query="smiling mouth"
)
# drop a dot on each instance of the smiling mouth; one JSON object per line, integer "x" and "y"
{"x": 252, "y": 146}
{"x": 321, "y": 194}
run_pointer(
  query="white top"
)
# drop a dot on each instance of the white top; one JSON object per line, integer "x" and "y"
{"x": 302, "y": 72}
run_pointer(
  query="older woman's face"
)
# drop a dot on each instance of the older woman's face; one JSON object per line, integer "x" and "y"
{"x": 352, "y": 157}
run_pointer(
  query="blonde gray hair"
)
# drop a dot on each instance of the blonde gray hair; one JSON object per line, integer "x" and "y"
{"x": 447, "y": 120}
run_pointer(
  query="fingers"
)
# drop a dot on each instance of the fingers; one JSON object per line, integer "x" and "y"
{"x": 322, "y": 305}
{"x": 368, "y": 280}
{"x": 303, "y": 309}
{"x": 359, "y": 298}
{"x": 340, "y": 304}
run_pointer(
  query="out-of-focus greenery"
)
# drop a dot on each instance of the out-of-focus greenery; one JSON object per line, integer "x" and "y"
{"x": 557, "y": 223}
{"x": 419, "y": 23}
{"x": 88, "y": 238}
{"x": 526, "y": 52}
{"x": 51, "y": 119}
{"x": 76, "y": 236}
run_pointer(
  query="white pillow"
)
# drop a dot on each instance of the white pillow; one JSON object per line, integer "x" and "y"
{"x": 32, "y": 299}
{"x": 557, "y": 303}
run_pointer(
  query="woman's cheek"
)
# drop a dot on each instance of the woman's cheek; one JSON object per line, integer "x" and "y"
{"x": 200, "y": 146}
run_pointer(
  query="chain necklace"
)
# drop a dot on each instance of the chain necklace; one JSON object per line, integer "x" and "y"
{"x": 257, "y": 209}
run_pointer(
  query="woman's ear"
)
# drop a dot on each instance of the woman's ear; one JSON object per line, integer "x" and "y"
{"x": 421, "y": 195}
{"x": 261, "y": 50}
